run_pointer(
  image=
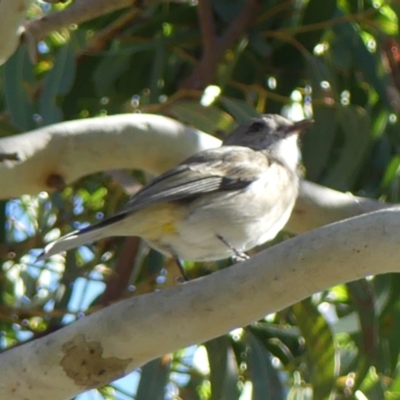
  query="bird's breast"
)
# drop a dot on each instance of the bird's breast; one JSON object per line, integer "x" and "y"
{"x": 245, "y": 218}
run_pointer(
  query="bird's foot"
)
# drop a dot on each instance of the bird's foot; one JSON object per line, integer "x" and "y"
{"x": 238, "y": 256}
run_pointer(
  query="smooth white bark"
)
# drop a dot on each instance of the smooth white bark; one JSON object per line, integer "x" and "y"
{"x": 124, "y": 336}
{"x": 71, "y": 150}
{"x": 317, "y": 206}
{"x": 12, "y": 15}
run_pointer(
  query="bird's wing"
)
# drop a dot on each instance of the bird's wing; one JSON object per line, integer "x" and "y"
{"x": 223, "y": 168}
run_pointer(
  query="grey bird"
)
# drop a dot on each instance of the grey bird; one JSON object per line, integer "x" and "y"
{"x": 217, "y": 203}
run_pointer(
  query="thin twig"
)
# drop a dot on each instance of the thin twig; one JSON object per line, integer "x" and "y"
{"x": 275, "y": 10}
{"x": 200, "y": 77}
{"x": 322, "y": 25}
{"x": 207, "y": 28}
{"x": 101, "y": 39}
{"x": 244, "y": 20}
{"x": 117, "y": 284}
{"x": 260, "y": 90}
{"x": 78, "y": 12}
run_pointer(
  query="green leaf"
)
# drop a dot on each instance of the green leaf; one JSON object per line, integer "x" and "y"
{"x": 386, "y": 19}
{"x": 316, "y": 11}
{"x": 355, "y": 124}
{"x": 281, "y": 341}
{"x": 239, "y": 109}
{"x": 392, "y": 395}
{"x": 391, "y": 173}
{"x": 374, "y": 74}
{"x": 394, "y": 387}
{"x": 320, "y": 347}
{"x": 208, "y": 119}
{"x": 340, "y": 54}
{"x": 386, "y": 288}
{"x": 57, "y": 82}
{"x": 363, "y": 299}
{"x": 226, "y": 70}
{"x": 153, "y": 263}
{"x": 153, "y": 380}
{"x": 97, "y": 199}
{"x": 318, "y": 141}
{"x": 141, "y": 72}
{"x": 19, "y": 83}
{"x": 108, "y": 70}
{"x": 263, "y": 376}
{"x": 156, "y": 77}
{"x": 372, "y": 386}
{"x": 318, "y": 72}
{"x": 223, "y": 369}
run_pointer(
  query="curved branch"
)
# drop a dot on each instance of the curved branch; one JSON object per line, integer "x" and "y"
{"x": 12, "y": 15}
{"x": 120, "y": 338}
{"x": 318, "y": 206}
{"x": 64, "y": 152}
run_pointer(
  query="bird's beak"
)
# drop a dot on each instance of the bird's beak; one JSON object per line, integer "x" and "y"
{"x": 299, "y": 126}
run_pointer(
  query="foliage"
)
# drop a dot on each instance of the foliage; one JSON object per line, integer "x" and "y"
{"x": 335, "y": 60}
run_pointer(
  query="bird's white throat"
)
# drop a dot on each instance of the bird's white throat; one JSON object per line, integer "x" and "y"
{"x": 287, "y": 151}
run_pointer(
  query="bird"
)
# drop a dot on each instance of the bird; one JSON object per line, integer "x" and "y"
{"x": 216, "y": 204}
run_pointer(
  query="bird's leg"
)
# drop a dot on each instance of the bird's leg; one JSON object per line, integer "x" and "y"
{"x": 237, "y": 256}
{"x": 181, "y": 269}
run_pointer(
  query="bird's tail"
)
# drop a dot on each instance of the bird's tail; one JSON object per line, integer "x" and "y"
{"x": 78, "y": 238}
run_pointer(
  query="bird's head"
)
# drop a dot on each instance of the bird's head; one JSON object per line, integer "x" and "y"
{"x": 272, "y": 133}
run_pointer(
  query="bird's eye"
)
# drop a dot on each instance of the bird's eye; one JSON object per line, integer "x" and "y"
{"x": 256, "y": 127}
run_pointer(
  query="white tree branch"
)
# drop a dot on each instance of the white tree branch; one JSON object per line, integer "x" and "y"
{"x": 116, "y": 340}
{"x": 12, "y": 15}
{"x": 317, "y": 206}
{"x": 70, "y": 150}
